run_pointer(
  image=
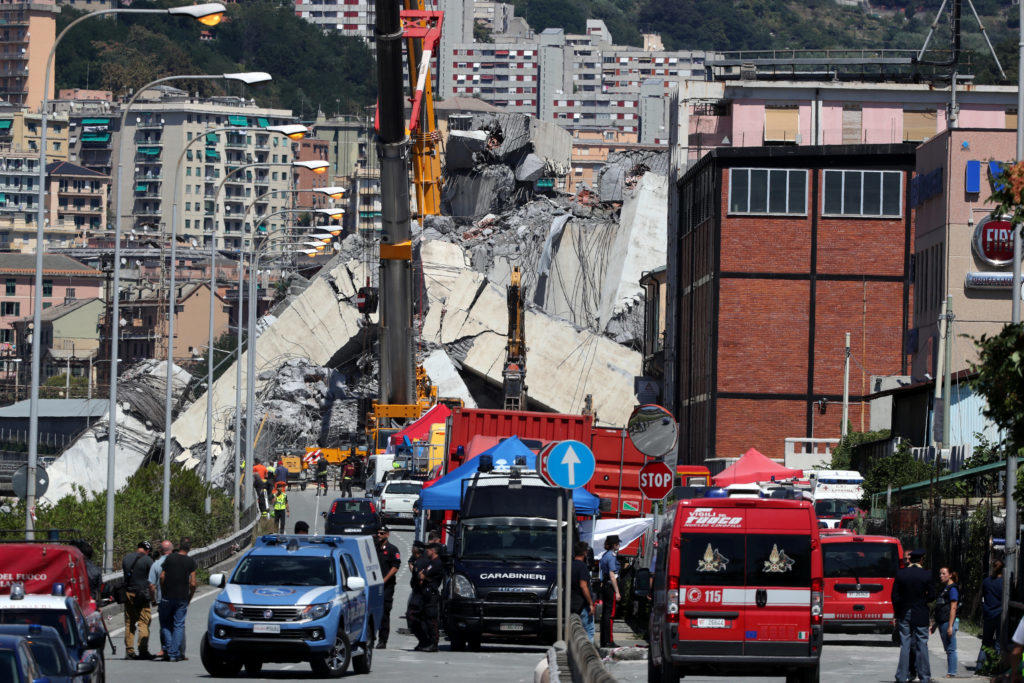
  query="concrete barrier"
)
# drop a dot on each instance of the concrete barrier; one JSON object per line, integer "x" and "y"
{"x": 206, "y": 556}
{"x": 585, "y": 664}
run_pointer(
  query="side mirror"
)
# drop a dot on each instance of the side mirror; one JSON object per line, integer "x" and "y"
{"x": 642, "y": 583}
{"x": 86, "y": 666}
{"x": 355, "y": 583}
{"x": 324, "y": 514}
{"x": 218, "y": 580}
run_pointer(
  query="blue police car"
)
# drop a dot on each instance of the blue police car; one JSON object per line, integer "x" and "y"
{"x": 315, "y": 599}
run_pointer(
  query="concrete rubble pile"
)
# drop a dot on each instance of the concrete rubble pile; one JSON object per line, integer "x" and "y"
{"x": 140, "y": 420}
{"x": 497, "y": 163}
{"x": 581, "y": 258}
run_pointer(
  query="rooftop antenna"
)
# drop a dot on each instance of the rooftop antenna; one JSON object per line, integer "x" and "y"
{"x": 955, "y": 27}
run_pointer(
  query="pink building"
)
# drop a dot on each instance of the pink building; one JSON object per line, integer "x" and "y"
{"x": 64, "y": 280}
{"x": 741, "y": 113}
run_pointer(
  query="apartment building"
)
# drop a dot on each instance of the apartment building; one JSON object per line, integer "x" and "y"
{"x": 347, "y": 17}
{"x": 19, "y": 203}
{"x": 27, "y": 34}
{"x": 92, "y": 129}
{"x": 64, "y": 280}
{"x": 751, "y": 112}
{"x": 21, "y": 131}
{"x": 77, "y": 196}
{"x": 311, "y": 149}
{"x": 213, "y": 141}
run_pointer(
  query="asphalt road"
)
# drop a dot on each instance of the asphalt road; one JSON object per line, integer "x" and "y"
{"x": 398, "y": 663}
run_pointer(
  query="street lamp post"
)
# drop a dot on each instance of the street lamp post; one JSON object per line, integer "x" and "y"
{"x": 208, "y": 14}
{"x": 249, "y": 78}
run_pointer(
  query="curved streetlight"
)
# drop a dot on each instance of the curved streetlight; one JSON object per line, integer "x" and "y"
{"x": 209, "y": 14}
{"x": 293, "y": 131}
{"x": 244, "y": 77}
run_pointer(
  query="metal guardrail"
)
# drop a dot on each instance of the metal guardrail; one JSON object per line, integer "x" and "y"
{"x": 207, "y": 556}
{"x": 585, "y": 664}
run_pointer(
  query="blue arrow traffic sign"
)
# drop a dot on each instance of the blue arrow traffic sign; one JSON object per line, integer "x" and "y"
{"x": 570, "y": 464}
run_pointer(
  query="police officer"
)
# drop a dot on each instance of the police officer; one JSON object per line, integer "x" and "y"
{"x": 280, "y": 509}
{"x": 428, "y": 626}
{"x": 911, "y": 592}
{"x": 414, "y": 608}
{"x": 390, "y": 561}
{"x": 609, "y": 588}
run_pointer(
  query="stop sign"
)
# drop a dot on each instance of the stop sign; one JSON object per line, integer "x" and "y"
{"x": 655, "y": 480}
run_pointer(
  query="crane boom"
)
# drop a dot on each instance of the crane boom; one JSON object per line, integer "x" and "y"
{"x": 397, "y": 384}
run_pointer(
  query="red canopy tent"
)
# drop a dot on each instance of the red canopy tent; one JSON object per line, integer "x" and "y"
{"x": 754, "y": 466}
{"x": 420, "y": 429}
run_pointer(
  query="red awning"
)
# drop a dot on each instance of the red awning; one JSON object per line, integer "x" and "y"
{"x": 420, "y": 429}
{"x": 754, "y": 466}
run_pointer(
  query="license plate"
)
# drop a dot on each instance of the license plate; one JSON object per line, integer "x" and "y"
{"x": 266, "y": 628}
{"x": 510, "y": 627}
{"x": 711, "y": 623}
{"x": 858, "y": 596}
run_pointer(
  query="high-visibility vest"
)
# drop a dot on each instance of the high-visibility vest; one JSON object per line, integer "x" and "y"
{"x": 270, "y": 469}
{"x": 281, "y": 502}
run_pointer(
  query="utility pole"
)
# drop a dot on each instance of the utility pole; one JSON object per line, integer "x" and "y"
{"x": 947, "y": 372}
{"x": 846, "y": 387}
{"x": 1010, "y": 557}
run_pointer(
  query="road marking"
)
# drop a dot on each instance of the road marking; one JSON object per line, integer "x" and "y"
{"x": 316, "y": 513}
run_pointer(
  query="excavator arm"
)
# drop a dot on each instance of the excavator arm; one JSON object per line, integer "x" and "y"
{"x": 514, "y": 373}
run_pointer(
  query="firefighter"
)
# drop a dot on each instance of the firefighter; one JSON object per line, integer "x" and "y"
{"x": 321, "y": 475}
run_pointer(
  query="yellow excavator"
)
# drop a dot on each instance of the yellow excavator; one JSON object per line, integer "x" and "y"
{"x": 513, "y": 374}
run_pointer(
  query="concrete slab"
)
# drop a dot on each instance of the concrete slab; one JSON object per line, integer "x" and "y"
{"x": 446, "y": 378}
{"x": 462, "y": 146}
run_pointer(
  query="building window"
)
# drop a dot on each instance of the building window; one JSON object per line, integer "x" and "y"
{"x": 862, "y": 193}
{"x": 47, "y": 287}
{"x": 12, "y": 286}
{"x": 768, "y": 191}
{"x": 10, "y": 308}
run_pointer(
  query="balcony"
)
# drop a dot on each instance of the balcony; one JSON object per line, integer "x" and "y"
{"x": 149, "y": 125}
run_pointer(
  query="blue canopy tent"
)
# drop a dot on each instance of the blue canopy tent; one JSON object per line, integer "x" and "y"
{"x": 446, "y": 492}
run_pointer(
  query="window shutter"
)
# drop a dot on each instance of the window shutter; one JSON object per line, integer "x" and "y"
{"x": 852, "y": 125}
{"x": 1011, "y": 119}
{"x": 918, "y": 126}
{"x": 781, "y": 124}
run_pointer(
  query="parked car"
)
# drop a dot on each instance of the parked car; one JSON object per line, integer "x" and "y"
{"x": 62, "y": 612}
{"x": 315, "y": 599}
{"x": 55, "y": 662}
{"x": 357, "y": 516}
{"x": 17, "y": 663}
{"x": 398, "y": 497}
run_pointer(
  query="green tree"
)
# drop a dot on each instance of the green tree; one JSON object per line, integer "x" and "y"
{"x": 1000, "y": 380}
{"x": 899, "y": 469}
{"x": 482, "y": 33}
{"x": 842, "y": 453}
{"x": 223, "y": 348}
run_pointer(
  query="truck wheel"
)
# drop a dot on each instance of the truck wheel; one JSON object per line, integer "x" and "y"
{"x": 361, "y": 663}
{"x": 217, "y": 664}
{"x": 473, "y": 643}
{"x": 253, "y": 668}
{"x": 458, "y": 643}
{"x": 335, "y": 664}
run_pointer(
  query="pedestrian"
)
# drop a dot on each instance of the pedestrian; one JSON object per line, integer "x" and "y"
{"x": 911, "y": 593}
{"x": 991, "y": 611}
{"x": 259, "y": 481}
{"x": 280, "y": 477}
{"x": 166, "y": 548}
{"x": 321, "y": 475}
{"x": 947, "y": 623}
{"x": 609, "y": 568}
{"x": 177, "y": 586}
{"x": 581, "y": 602}
{"x": 1016, "y": 648}
{"x": 280, "y": 509}
{"x": 301, "y": 528}
{"x": 136, "y": 600}
{"x": 430, "y": 577}
{"x": 389, "y": 560}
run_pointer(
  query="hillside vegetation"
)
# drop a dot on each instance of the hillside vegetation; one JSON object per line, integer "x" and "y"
{"x": 311, "y": 69}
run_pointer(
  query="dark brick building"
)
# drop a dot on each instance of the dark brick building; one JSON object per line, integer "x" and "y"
{"x": 777, "y": 253}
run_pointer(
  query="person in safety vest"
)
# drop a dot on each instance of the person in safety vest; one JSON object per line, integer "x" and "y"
{"x": 280, "y": 510}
